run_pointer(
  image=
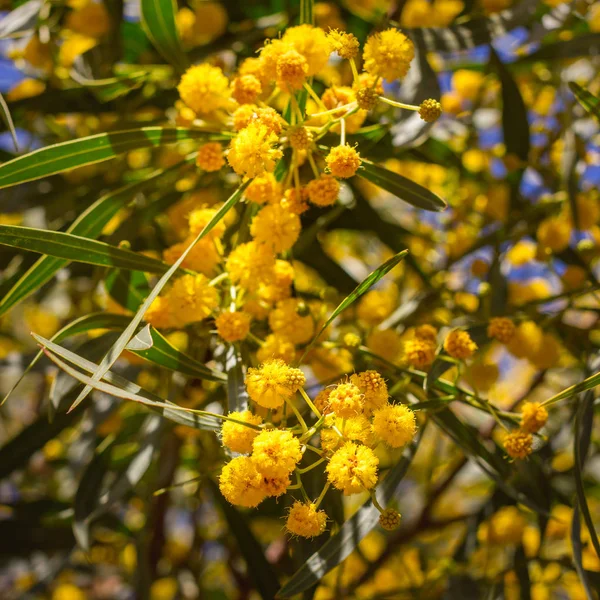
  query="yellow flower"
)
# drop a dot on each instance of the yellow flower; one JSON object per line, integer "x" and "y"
{"x": 273, "y": 383}
{"x": 312, "y": 43}
{"x": 482, "y": 376}
{"x": 419, "y": 352}
{"x": 534, "y": 416}
{"x": 294, "y": 200}
{"x": 203, "y": 257}
{"x": 250, "y": 264}
{"x": 346, "y": 400}
{"x": 305, "y": 520}
{"x": 388, "y": 54}
{"x": 518, "y": 444}
{"x": 345, "y": 44}
{"x": 238, "y": 437}
{"x": 356, "y": 428}
{"x": 276, "y": 452}
{"x": 276, "y": 227}
{"x": 300, "y": 138}
{"x": 323, "y": 191}
{"x": 506, "y": 526}
{"x": 385, "y": 343}
{"x": 74, "y": 46}
{"x": 252, "y": 151}
{"x": 430, "y": 110}
{"x": 285, "y": 320}
{"x": 191, "y": 299}
{"x": 204, "y": 88}
{"x": 373, "y": 387}
{"x": 159, "y": 314}
{"x": 343, "y": 161}
{"x": 467, "y": 83}
{"x": 376, "y": 305}
{"x": 40, "y": 321}
{"x": 240, "y": 482}
{"x": 501, "y": 329}
{"x": 389, "y": 519}
{"x": 458, "y": 344}
{"x": 426, "y": 332}
{"x": 275, "y": 486}
{"x": 521, "y": 253}
{"x": 210, "y": 157}
{"x": 292, "y": 69}
{"x": 555, "y": 233}
{"x": 276, "y": 346}
{"x": 245, "y": 89}
{"x": 527, "y": 340}
{"x": 38, "y": 54}
{"x": 395, "y": 424}
{"x": 26, "y": 88}
{"x": 233, "y": 326}
{"x": 92, "y": 20}
{"x": 264, "y": 189}
{"x": 280, "y": 287}
{"x": 353, "y": 469}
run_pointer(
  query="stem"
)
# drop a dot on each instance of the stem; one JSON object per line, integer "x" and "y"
{"x": 375, "y": 501}
{"x": 354, "y": 70}
{"x": 311, "y": 467}
{"x": 218, "y": 279}
{"x": 310, "y": 403}
{"x": 314, "y": 96}
{"x": 322, "y": 495}
{"x": 313, "y": 165}
{"x": 398, "y": 104}
{"x": 298, "y": 415}
{"x": 333, "y": 110}
{"x": 342, "y": 132}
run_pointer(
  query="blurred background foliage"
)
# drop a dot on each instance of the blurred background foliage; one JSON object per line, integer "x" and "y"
{"x": 94, "y": 502}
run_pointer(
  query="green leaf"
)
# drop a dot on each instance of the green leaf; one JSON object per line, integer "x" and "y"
{"x": 586, "y": 384}
{"x": 362, "y": 287}
{"x": 590, "y": 102}
{"x": 119, "y": 387}
{"x": 8, "y": 121}
{"x": 261, "y": 571}
{"x": 89, "y": 150}
{"x": 164, "y": 354}
{"x": 127, "y": 288}
{"x": 307, "y": 12}
{"x": 89, "y": 224}
{"x": 158, "y": 21}
{"x": 237, "y": 396}
{"x": 514, "y": 112}
{"x": 88, "y": 492}
{"x": 578, "y": 553}
{"x": 123, "y": 340}
{"x": 22, "y": 18}
{"x": 113, "y": 87}
{"x": 77, "y": 249}
{"x": 343, "y": 543}
{"x": 401, "y": 187}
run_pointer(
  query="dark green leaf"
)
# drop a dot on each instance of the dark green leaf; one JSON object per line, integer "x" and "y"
{"x": 158, "y": 21}
{"x": 5, "y": 114}
{"x": 127, "y": 288}
{"x": 114, "y": 87}
{"x": 85, "y": 151}
{"x": 237, "y": 396}
{"x": 77, "y": 249}
{"x": 401, "y": 187}
{"x": 590, "y": 102}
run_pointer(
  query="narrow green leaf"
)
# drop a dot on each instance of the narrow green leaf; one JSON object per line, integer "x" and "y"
{"x": 22, "y": 18}
{"x": 111, "y": 88}
{"x": 123, "y": 340}
{"x": 88, "y": 492}
{"x": 158, "y": 21}
{"x": 237, "y": 396}
{"x": 307, "y": 12}
{"x": 578, "y": 553}
{"x": 401, "y": 187}
{"x": 141, "y": 341}
{"x": 127, "y": 288}
{"x": 119, "y": 387}
{"x": 343, "y": 543}
{"x": 590, "y": 102}
{"x": 261, "y": 571}
{"x": 362, "y": 287}
{"x": 77, "y": 249}
{"x": 5, "y": 113}
{"x": 89, "y": 224}
{"x": 96, "y": 148}
{"x": 586, "y": 384}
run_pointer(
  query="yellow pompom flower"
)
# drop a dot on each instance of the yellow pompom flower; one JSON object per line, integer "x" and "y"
{"x": 343, "y": 161}
{"x": 555, "y": 233}
{"x": 285, "y": 320}
{"x": 386, "y": 343}
{"x": 376, "y": 305}
{"x": 92, "y": 19}
{"x": 534, "y": 416}
{"x": 191, "y": 299}
{"x": 346, "y": 400}
{"x": 458, "y": 344}
{"x": 356, "y": 429}
{"x": 312, "y": 43}
{"x": 426, "y": 332}
{"x": 430, "y": 110}
{"x": 280, "y": 286}
{"x": 264, "y": 189}
{"x": 501, "y": 329}
{"x": 273, "y": 383}
{"x": 275, "y": 486}
{"x": 233, "y": 326}
{"x": 210, "y": 157}
{"x": 388, "y": 54}
{"x": 373, "y": 387}
{"x": 505, "y": 527}
{"x": 323, "y": 191}
{"x": 305, "y": 520}
{"x": 353, "y": 469}
{"x": 238, "y": 437}
{"x": 276, "y": 452}
{"x": 245, "y": 89}
{"x": 345, "y": 44}
{"x": 276, "y": 346}
{"x": 395, "y": 424}
{"x": 241, "y": 483}
{"x": 159, "y": 314}
{"x": 300, "y": 138}
{"x": 250, "y": 264}
{"x": 419, "y": 352}
{"x": 276, "y": 227}
{"x": 389, "y": 519}
{"x": 294, "y": 200}
{"x": 518, "y": 444}
{"x": 252, "y": 151}
{"x": 243, "y": 115}
{"x": 292, "y": 69}
{"x": 204, "y": 88}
